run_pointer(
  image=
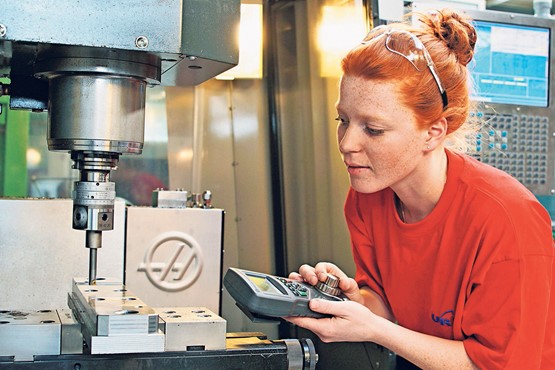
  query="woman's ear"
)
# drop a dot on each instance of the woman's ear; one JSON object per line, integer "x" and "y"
{"x": 436, "y": 134}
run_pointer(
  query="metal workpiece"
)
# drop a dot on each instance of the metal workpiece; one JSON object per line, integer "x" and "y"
{"x": 110, "y": 309}
{"x": 128, "y": 344}
{"x": 181, "y": 198}
{"x": 192, "y": 328}
{"x": 114, "y": 320}
{"x": 170, "y": 198}
{"x": 71, "y": 336}
{"x": 24, "y": 334}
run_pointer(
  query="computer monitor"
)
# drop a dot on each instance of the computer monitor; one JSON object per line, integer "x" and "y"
{"x": 513, "y": 74}
{"x": 511, "y": 64}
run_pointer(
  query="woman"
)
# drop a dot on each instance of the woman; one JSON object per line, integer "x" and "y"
{"x": 453, "y": 257}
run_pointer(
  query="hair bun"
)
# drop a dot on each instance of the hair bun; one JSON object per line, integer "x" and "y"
{"x": 455, "y": 30}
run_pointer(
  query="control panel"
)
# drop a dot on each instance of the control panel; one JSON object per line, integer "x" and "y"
{"x": 518, "y": 144}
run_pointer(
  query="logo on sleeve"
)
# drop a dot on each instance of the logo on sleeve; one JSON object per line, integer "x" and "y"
{"x": 445, "y": 319}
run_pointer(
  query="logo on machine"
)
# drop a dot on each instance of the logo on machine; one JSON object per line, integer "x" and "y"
{"x": 173, "y": 262}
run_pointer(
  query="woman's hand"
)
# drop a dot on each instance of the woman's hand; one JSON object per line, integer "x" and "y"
{"x": 312, "y": 275}
{"x": 350, "y": 321}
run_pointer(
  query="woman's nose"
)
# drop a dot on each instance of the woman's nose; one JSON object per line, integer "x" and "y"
{"x": 348, "y": 139}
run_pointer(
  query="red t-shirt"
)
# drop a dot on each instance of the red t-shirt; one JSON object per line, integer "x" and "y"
{"x": 478, "y": 268}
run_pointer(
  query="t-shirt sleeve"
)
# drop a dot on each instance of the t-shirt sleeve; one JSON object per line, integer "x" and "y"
{"x": 505, "y": 315}
{"x": 367, "y": 272}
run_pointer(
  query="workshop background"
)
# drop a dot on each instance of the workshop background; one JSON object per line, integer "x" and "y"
{"x": 260, "y": 138}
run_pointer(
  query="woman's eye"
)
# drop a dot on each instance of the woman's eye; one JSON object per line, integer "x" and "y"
{"x": 341, "y": 120}
{"x": 369, "y": 130}
{"x": 373, "y": 132}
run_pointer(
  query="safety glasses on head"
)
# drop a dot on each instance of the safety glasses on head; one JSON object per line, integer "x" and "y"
{"x": 410, "y": 47}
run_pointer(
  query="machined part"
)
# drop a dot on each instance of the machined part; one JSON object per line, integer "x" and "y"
{"x": 170, "y": 198}
{"x": 24, "y": 334}
{"x": 114, "y": 320}
{"x": 181, "y": 198}
{"x": 110, "y": 309}
{"x": 192, "y": 328}
{"x": 71, "y": 336}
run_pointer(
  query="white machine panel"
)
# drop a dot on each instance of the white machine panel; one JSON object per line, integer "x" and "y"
{"x": 41, "y": 253}
{"x": 174, "y": 256}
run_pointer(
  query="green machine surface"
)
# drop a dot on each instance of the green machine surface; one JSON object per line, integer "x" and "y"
{"x": 14, "y": 137}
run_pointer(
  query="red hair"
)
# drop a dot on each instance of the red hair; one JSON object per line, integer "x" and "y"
{"x": 450, "y": 40}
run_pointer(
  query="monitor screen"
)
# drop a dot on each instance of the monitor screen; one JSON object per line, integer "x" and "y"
{"x": 263, "y": 284}
{"x": 511, "y": 64}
